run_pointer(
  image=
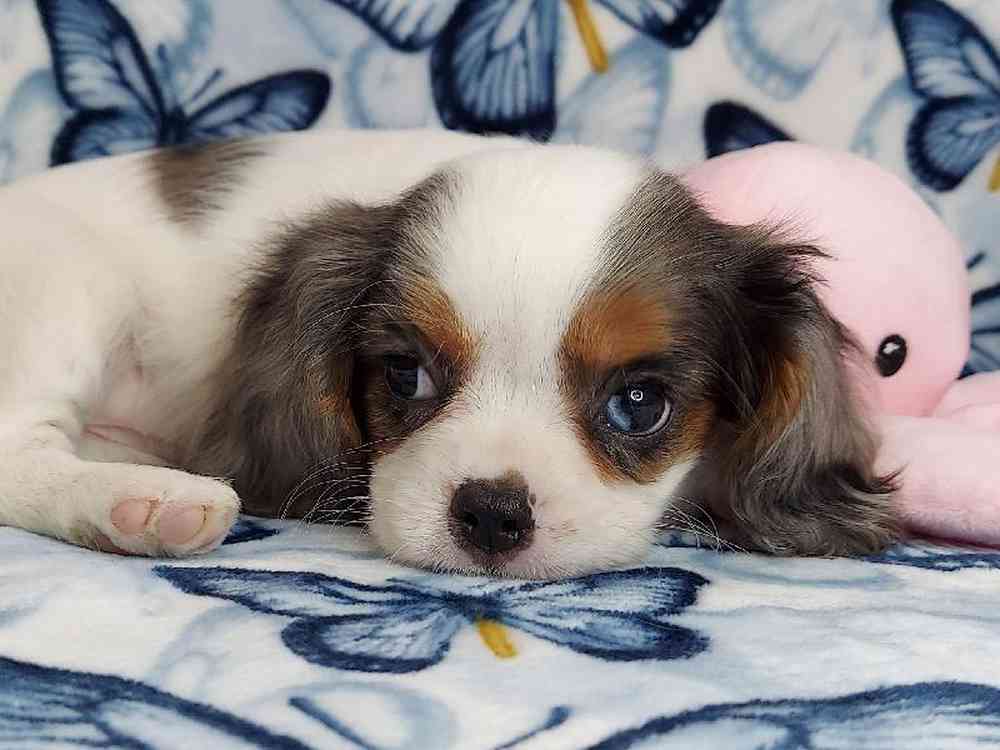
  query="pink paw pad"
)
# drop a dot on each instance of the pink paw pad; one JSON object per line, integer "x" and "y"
{"x": 131, "y": 516}
{"x": 177, "y": 522}
{"x": 179, "y": 525}
{"x": 174, "y": 524}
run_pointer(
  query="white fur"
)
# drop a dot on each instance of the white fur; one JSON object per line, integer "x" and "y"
{"x": 114, "y": 317}
{"x": 515, "y": 258}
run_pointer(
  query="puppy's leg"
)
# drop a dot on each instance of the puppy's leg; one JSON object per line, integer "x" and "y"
{"x": 144, "y": 510}
{"x": 94, "y": 446}
{"x": 65, "y": 314}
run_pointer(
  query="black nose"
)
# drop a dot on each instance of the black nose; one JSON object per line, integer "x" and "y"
{"x": 492, "y": 515}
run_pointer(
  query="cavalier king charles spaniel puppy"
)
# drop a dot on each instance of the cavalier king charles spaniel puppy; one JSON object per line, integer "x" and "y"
{"x": 501, "y": 357}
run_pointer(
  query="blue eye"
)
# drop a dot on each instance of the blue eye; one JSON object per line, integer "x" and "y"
{"x": 408, "y": 379}
{"x": 638, "y": 409}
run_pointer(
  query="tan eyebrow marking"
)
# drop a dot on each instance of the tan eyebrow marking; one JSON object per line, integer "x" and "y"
{"x": 611, "y": 329}
{"x": 428, "y": 307}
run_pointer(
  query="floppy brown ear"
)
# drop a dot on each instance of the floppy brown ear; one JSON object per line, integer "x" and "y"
{"x": 790, "y": 467}
{"x": 283, "y": 396}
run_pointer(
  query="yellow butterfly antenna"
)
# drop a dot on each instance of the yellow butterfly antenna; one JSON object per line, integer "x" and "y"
{"x": 596, "y": 53}
{"x": 495, "y": 637}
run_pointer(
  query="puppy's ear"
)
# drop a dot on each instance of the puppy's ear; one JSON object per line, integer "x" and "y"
{"x": 283, "y": 396}
{"x": 790, "y": 469}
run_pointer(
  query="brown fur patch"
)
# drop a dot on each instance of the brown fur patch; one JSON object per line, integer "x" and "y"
{"x": 784, "y": 396}
{"x": 390, "y": 421}
{"x": 589, "y": 358}
{"x": 513, "y": 481}
{"x": 697, "y": 425}
{"x": 193, "y": 181}
{"x": 611, "y": 330}
{"x": 609, "y": 471}
{"x": 754, "y": 367}
{"x": 329, "y": 404}
{"x": 417, "y": 317}
{"x": 687, "y": 440}
{"x": 636, "y": 313}
{"x": 427, "y": 307}
{"x": 336, "y": 405}
{"x": 288, "y": 390}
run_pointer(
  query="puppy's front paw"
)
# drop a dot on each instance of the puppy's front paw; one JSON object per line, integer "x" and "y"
{"x": 184, "y": 522}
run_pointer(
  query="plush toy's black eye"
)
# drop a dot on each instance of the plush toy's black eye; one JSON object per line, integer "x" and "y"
{"x": 891, "y": 355}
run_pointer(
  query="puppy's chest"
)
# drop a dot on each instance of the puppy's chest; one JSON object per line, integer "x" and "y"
{"x": 153, "y": 402}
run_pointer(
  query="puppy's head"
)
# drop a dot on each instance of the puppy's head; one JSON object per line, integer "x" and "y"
{"x": 548, "y": 354}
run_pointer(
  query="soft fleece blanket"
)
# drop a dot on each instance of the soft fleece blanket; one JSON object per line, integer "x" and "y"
{"x": 296, "y": 637}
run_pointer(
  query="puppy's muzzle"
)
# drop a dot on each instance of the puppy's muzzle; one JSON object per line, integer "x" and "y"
{"x": 492, "y": 516}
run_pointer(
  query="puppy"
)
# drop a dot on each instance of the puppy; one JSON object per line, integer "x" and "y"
{"x": 506, "y": 357}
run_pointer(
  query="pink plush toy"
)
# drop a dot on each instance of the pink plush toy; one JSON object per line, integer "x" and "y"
{"x": 896, "y": 280}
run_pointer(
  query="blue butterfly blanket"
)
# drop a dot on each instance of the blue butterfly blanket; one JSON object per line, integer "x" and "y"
{"x": 299, "y": 637}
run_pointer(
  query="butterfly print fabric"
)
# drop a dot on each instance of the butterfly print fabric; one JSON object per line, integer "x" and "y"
{"x": 299, "y": 637}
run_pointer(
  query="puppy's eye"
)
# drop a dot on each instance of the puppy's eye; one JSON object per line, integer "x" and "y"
{"x": 638, "y": 409}
{"x": 408, "y": 379}
{"x": 891, "y": 355}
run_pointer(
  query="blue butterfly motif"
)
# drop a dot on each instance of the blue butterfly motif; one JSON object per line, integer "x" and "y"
{"x": 919, "y": 716}
{"x": 245, "y": 530}
{"x": 621, "y": 109}
{"x": 493, "y": 64}
{"x": 729, "y": 126}
{"x": 781, "y": 46}
{"x": 406, "y": 25}
{"x": 34, "y": 111}
{"x": 387, "y": 90}
{"x": 121, "y": 105}
{"x": 43, "y": 707}
{"x": 985, "y": 351}
{"x": 48, "y": 707}
{"x": 185, "y": 28}
{"x": 407, "y": 625}
{"x": 952, "y": 65}
{"x": 924, "y": 555}
{"x": 935, "y": 557}
{"x": 556, "y": 718}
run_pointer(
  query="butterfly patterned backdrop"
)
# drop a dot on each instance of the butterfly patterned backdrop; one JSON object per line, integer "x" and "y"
{"x": 295, "y": 637}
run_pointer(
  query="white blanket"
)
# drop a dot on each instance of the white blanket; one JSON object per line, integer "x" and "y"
{"x": 292, "y": 637}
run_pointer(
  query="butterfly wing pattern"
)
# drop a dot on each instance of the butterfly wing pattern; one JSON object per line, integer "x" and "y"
{"x": 617, "y": 616}
{"x": 936, "y": 557}
{"x": 493, "y": 68}
{"x": 246, "y": 530}
{"x": 782, "y": 47}
{"x": 44, "y": 707}
{"x": 120, "y": 105}
{"x": 919, "y": 716}
{"x": 985, "y": 349}
{"x": 408, "y": 625}
{"x": 955, "y": 68}
{"x": 278, "y": 103}
{"x": 406, "y": 25}
{"x": 335, "y": 622}
{"x": 493, "y": 64}
{"x": 103, "y": 74}
{"x": 729, "y": 126}
{"x": 622, "y": 108}
{"x": 676, "y": 23}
